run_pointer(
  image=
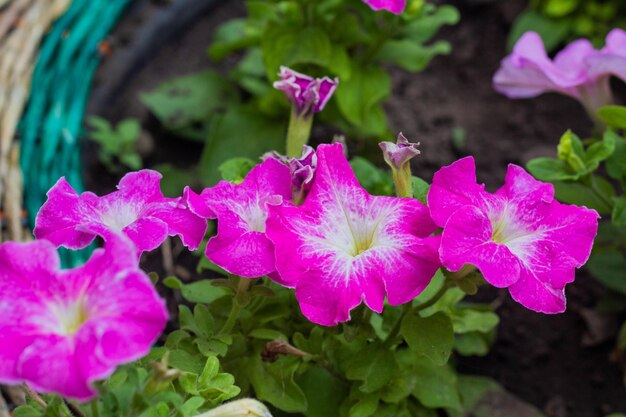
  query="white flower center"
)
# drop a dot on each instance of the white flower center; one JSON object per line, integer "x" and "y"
{"x": 119, "y": 216}
{"x": 68, "y": 316}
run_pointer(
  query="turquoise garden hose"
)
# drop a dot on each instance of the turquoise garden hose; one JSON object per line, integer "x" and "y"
{"x": 52, "y": 122}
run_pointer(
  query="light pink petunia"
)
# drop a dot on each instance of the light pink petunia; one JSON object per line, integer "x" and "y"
{"x": 308, "y": 95}
{"x": 579, "y": 70}
{"x": 344, "y": 246}
{"x": 394, "y": 6}
{"x": 241, "y": 246}
{"x": 61, "y": 330}
{"x": 138, "y": 209}
{"x": 520, "y": 238}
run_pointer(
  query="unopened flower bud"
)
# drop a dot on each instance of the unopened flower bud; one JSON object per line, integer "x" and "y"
{"x": 398, "y": 156}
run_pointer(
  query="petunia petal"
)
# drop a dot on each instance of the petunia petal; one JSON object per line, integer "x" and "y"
{"x": 453, "y": 187}
{"x": 467, "y": 239}
{"x": 59, "y": 215}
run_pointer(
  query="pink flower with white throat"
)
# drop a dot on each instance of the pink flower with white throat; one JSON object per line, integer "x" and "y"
{"x": 344, "y": 246}
{"x": 520, "y": 238}
{"x": 308, "y": 95}
{"x": 138, "y": 209}
{"x": 240, "y": 246}
{"x": 394, "y": 6}
{"x": 61, "y": 330}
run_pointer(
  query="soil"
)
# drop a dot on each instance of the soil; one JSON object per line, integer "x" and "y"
{"x": 541, "y": 359}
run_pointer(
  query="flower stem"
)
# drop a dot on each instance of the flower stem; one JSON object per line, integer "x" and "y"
{"x": 242, "y": 287}
{"x": 34, "y": 396}
{"x": 94, "y": 408}
{"x": 434, "y": 298}
{"x": 298, "y": 132}
{"x": 74, "y": 410}
{"x": 403, "y": 181}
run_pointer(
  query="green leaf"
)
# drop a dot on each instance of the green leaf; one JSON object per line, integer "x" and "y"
{"x": 613, "y": 116}
{"x": 275, "y": 384}
{"x": 431, "y": 337}
{"x": 553, "y": 32}
{"x": 323, "y": 391}
{"x": 608, "y": 267}
{"x": 581, "y": 195}
{"x": 211, "y": 369}
{"x": 359, "y": 95}
{"x": 550, "y": 169}
{"x": 375, "y": 367}
{"x": 600, "y": 151}
{"x": 365, "y": 407}
{"x": 618, "y": 216}
{"x": 559, "y": 8}
{"x": 197, "y": 292}
{"x": 397, "y": 390}
{"x": 229, "y": 37}
{"x": 471, "y": 344}
{"x": 183, "y": 101}
{"x": 436, "y": 387}
{"x": 27, "y": 411}
{"x": 240, "y": 132}
{"x": 571, "y": 151}
{"x": 235, "y": 170}
{"x": 616, "y": 164}
{"x": 291, "y": 45}
{"x": 185, "y": 361}
{"x": 466, "y": 320}
{"x": 267, "y": 334}
{"x": 411, "y": 56}
{"x": 420, "y": 189}
{"x": 375, "y": 180}
{"x": 426, "y": 26}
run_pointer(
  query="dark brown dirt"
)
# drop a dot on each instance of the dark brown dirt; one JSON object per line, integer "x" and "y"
{"x": 539, "y": 358}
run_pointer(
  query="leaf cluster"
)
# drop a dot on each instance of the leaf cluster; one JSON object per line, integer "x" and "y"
{"x": 592, "y": 173}
{"x": 242, "y": 115}
{"x": 118, "y": 144}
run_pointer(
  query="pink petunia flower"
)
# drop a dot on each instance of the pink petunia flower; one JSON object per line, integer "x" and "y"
{"x": 520, "y": 238}
{"x": 344, "y": 246}
{"x": 394, "y": 6}
{"x": 241, "y": 246}
{"x": 302, "y": 171}
{"x": 138, "y": 209}
{"x": 61, "y": 330}
{"x": 308, "y": 95}
{"x": 579, "y": 70}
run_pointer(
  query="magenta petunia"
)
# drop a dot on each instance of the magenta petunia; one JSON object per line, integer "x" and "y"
{"x": 308, "y": 95}
{"x": 240, "y": 246}
{"x": 61, "y": 330}
{"x": 394, "y": 6}
{"x": 138, "y": 209}
{"x": 579, "y": 70}
{"x": 520, "y": 238}
{"x": 344, "y": 246}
